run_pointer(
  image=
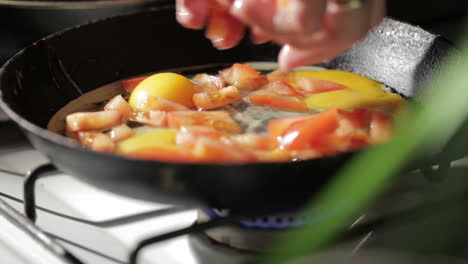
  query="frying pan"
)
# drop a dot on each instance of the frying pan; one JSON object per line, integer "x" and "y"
{"x": 45, "y": 76}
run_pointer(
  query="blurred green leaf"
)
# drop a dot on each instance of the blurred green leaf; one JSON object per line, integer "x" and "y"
{"x": 426, "y": 128}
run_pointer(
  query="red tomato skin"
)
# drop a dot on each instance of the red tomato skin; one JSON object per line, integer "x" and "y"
{"x": 311, "y": 85}
{"x": 279, "y": 102}
{"x": 130, "y": 84}
{"x": 310, "y": 133}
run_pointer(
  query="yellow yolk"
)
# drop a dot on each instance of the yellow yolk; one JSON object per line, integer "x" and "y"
{"x": 170, "y": 86}
{"x": 163, "y": 138}
{"x": 360, "y": 92}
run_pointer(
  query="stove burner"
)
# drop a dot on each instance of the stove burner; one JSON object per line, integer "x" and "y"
{"x": 255, "y": 234}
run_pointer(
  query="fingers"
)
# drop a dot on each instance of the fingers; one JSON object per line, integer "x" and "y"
{"x": 377, "y": 12}
{"x": 224, "y": 30}
{"x": 341, "y": 28}
{"x": 299, "y": 17}
{"x": 258, "y": 36}
{"x": 192, "y": 13}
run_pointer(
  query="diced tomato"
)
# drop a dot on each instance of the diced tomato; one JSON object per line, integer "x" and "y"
{"x": 151, "y": 118}
{"x": 210, "y": 150}
{"x": 118, "y": 103}
{"x": 159, "y": 103}
{"x": 188, "y": 135}
{"x": 311, "y": 85}
{"x": 243, "y": 76}
{"x": 254, "y": 141}
{"x": 120, "y": 133}
{"x": 280, "y": 88}
{"x": 130, "y": 84}
{"x": 279, "y": 75}
{"x": 222, "y": 97}
{"x": 275, "y": 155}
{"x": 359, "y": 117}
{"x": 219, "y": 120}
{"x": 86, "y": 121}
{"x": 277, "y": 127}
{"x": 291, "y": 103}
{"x": 163, "y": 153}
{"x": 309, "y": 133}
{"x": 96, "y": 141}
{"x": 380, "y": 128}
{"x": 306, "y": 154}
{"x": 209, "y": 80}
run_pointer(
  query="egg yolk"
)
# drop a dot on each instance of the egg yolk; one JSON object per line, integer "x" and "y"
{"x": 170, "y": 86}
{"x": 360, "y": 92}
{"x": 162, "y": 138}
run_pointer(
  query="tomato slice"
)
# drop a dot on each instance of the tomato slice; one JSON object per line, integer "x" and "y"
{"x": 211, "y": 81}
{"x": 188, "y": 135}
{"x": 86, "y": 121}
{"x": 118, "y": 103}
{"x": 211, "y": 100}
{"x": 309, "y": 133}
{"x": 277, "y": 127}
{"x": 311, "y": 85}
{"x": 219, "y": 120}
{"x": 159, "y": 103}
{"x": 279, "y": 75}
{"x": 210, "y": 150}
{"x": 151, "y": 118}
{"x": 121, "y": 132}
{"x": 380, "y": 128}
{"x": 130, "y": 84}
{"x": 243, "y": 76}
{"x": 291, "y": 103}
{"x": 96, "y": 141}
{"x": 254, "y": 141}
{"x": 280, "y": 88}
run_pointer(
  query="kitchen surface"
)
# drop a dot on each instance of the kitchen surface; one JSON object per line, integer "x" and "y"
{"x": 96, "y": 226}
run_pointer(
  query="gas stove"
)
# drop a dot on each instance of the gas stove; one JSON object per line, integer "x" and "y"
{"x": 95, "y": 226}
{"x": 100, "y": 227}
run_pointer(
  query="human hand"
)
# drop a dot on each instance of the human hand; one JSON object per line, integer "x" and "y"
{"x": 311, "y": 31}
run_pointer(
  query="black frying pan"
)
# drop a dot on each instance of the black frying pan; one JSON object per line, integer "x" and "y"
{"x": 44, "y": 77}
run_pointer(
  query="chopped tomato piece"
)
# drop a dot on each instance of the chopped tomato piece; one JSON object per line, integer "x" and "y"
{"x": 209, "y": 80}
{"x": 120, "y": 133}
{"x": 243, "y": 76}
{"x": 275, "y": 155}
{"x": 276, "y": 101}
{"x": 219, "y": 120}
{"x": 163, "y": 153}
{"x": 130, "y": 84}
{"x": 151, "y": 118}
{"x": 188, "y": 135}
{"x": 118, "y": 103}
{"x": 309, "y": 133}
{"x": 277, "y": 127}
{"x": 96, "y": 141}
{"x": 311, "y": 85}
{"x": 210, "y": 150}
{"x": 254, "y": 141}
{"x": 279, "y": 75}
{"x": 86, "y": 121}
{"x": 281, "y": 88}
{"x": 159, "y": 103}
{"x": 380, "y": 128}
{"x": 211, "y": 100}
